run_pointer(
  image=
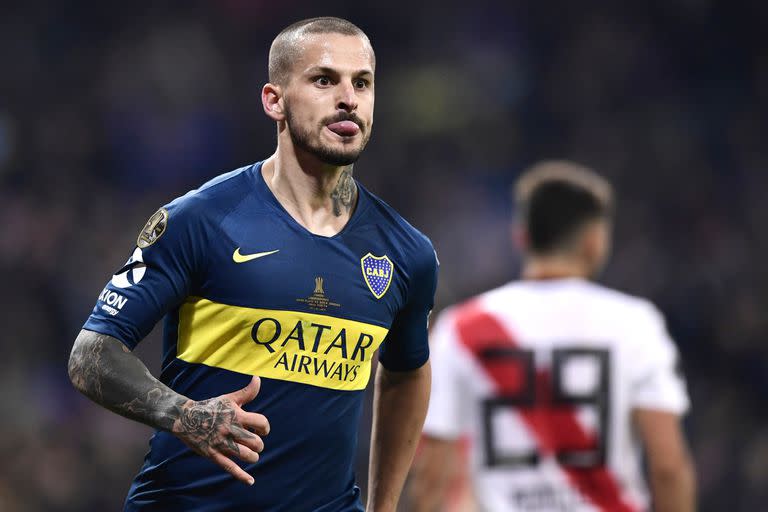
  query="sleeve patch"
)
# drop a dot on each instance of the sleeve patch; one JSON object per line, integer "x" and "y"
{"x": 153, "y": 229}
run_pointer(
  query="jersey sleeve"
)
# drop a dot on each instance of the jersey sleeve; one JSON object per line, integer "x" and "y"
{"x": 406, "y": 346}
{"x": 658, "y": 382}
{"x": 158, "y": 275}
{"x": 446, "y": 419}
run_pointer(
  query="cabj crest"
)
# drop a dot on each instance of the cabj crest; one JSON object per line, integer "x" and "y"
{"x": 377, "y": 272}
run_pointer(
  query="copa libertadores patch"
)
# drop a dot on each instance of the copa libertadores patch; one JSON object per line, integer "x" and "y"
{"x": 153, "y": 229}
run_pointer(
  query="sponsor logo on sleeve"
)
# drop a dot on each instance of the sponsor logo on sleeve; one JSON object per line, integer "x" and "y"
{"x": 132, "y": 272}
{"x": 113, "y": 302}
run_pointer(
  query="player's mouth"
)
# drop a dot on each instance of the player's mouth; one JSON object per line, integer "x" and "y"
{"x": 344, "y": 128}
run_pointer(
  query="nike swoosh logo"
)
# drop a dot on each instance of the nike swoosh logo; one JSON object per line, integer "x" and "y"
{"x": 242, "y": 258}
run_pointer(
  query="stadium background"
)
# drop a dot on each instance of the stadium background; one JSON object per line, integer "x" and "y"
{"x": 109, "y": 110}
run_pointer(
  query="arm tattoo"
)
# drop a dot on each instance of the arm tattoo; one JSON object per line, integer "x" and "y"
{"x": 345, "y": 194}
{"x": 84, "y": 368}
{"x": 104, "y": 370}
{"x": 155, "y": 401}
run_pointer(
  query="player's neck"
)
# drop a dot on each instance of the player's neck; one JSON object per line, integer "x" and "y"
{"x": 544, "y": 268}
{"x": 318, "y": 196}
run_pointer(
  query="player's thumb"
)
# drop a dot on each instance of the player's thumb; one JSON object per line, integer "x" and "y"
{"x": 248, "y": 393}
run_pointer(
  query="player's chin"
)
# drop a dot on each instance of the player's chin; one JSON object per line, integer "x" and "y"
{"x": 340, "y": 156}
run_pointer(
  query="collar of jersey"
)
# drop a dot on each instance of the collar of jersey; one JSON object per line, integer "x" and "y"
{"x": 266, "y": 193}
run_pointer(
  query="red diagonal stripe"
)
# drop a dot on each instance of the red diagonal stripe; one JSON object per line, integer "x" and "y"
{"x": 553, "y": 427}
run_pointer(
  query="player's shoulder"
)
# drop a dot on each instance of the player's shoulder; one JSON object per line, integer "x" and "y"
{"x": 474, "y": 309}
{"x": 578, "y": 294}
{"x": 619, "y": 301}
{"x": 197, "y": 212}
{"x": 413, "y": 242}
{"x": 606, "y": 294}
{"x": 215, "y": 197}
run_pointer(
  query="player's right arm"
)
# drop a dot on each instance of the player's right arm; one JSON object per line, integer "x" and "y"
{"x": 103, "y": 369}
{"x": 168, "y": 260}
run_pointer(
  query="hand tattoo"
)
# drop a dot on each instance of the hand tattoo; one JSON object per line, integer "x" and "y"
{"x": 345, "y": 193}
{"x": 207, "y": 424}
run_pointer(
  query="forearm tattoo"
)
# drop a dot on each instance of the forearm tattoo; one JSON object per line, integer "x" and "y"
{"x": 104, "y": 370}
{"x": 344, "y": 194}
{"x": 84, "y": 367}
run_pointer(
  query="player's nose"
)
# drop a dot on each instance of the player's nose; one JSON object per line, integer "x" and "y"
{"x": 347, "y": 97}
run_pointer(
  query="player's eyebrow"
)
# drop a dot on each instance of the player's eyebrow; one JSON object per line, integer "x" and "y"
{"x": 325, "y": 70}
{"x": 367, "y": 73}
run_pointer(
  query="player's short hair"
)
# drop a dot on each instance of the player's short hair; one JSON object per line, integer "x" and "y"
{"x": 556, "y": 199}
{"x": 286, "y": 46}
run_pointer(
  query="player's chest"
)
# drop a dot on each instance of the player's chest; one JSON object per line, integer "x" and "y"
{"x": 357, "y": 275}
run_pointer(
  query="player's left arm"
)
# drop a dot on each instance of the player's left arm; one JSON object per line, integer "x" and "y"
{"x": 400, "y": 406}
{"x": 672, "y": 477}
{"x": 401, "y": 393}
{"x": 659, "y": 399}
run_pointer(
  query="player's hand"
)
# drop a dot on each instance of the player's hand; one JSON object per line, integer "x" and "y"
{"x": 218, "y": 428}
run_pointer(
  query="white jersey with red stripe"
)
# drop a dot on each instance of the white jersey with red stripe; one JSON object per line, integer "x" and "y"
{"x": 542, "y": 376}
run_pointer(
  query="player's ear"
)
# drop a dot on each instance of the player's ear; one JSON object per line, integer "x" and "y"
{"x": 272, "y": 101}
{"x": 595, "y": 242}
{"x": 519, "y": 236}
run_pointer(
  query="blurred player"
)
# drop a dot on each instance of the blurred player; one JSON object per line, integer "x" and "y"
{"x": 286, "y": 269}
{"x": 555, "y": 380}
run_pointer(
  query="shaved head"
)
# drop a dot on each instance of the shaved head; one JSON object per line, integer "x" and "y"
{"x": 287, "y": 47}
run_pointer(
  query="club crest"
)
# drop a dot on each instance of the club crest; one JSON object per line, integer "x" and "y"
{"x": 377, "y": 272}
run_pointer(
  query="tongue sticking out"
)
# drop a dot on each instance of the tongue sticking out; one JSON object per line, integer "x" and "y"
{"x": 344, "y": 128}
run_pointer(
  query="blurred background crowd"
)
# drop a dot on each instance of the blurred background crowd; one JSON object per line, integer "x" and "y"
{"x": 107, "y": 111}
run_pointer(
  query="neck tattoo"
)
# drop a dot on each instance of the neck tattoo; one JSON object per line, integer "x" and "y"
{"x": 344, "y": 194}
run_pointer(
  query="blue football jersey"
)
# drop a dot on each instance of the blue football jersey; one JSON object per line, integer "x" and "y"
{"x": 246, "y": 290}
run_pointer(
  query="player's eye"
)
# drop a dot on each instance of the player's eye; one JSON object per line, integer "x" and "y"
{"x": 322, "y": 81}
{"x": 361, "y": 83}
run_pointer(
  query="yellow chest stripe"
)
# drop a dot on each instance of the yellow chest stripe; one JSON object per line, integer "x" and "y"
{"x": 319, "y": 350}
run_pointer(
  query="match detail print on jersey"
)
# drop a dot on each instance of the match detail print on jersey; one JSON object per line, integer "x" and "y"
{"x": 319, "y": 350}
{"x": 377, "y": 272}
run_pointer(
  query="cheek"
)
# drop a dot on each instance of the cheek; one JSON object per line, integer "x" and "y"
{"x": 368, "y": 105}
{"x": 315, "y": 108}
{"x": 302, "y": 104}
{"x": 302, "y": 114}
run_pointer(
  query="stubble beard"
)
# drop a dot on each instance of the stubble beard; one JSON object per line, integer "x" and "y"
{"x": 303, "y": 139}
